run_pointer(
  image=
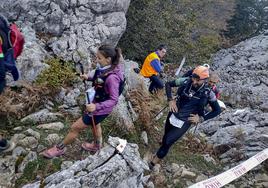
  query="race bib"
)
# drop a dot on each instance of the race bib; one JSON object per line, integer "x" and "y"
{"x": 175, "y": 121}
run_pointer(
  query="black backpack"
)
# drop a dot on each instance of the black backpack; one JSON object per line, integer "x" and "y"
{"x": 101, "y": 95}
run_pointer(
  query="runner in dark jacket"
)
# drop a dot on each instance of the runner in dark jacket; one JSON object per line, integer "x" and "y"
{"x": 192, "y": 96}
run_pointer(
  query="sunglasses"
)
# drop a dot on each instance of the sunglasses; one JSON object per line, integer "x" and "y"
{"x": 196, "y": 77}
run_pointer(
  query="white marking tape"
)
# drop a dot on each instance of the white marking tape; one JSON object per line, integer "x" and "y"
{"x": 233, "y": 173}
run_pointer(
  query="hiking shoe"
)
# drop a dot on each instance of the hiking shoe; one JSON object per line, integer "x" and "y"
{"x": 151, "y": 165}
{"x": 9, "y": 147}
{"x": 154, "y": 168}
{"x": 53, "y": 152}
{"x": 92, "y": 147}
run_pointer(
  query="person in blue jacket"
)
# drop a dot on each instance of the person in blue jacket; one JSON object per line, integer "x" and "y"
{"x": 152, "y": 68}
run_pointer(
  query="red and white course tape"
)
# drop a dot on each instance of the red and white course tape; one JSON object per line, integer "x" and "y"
{"x": 233, "y": 173}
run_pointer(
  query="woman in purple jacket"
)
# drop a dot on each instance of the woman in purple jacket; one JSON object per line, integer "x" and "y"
{"x": 106, "y": 81}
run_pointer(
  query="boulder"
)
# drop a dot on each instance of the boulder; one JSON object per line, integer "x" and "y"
{"x": 243, "y": 72}
{"x": 105, "y": 169}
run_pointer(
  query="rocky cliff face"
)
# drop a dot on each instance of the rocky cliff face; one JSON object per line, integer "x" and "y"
{"x": 240, "y": 133}
{"x": 243, "y": 70}
{"x": 70, "y": 29}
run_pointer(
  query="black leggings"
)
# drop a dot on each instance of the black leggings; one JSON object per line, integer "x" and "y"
{"x": 2, "y": 76}
{"x": 156, "y": 83}
{"x": 172, "y": 134}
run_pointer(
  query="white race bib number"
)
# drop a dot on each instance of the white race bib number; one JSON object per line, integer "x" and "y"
{"x": 175, "y": 121}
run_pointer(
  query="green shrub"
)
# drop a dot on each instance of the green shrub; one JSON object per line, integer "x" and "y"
{"x": 59, "y": 73}
{"x": 188, "y": 28}
{"x": 203, "y": 48}
{"x": 250, "y": 19}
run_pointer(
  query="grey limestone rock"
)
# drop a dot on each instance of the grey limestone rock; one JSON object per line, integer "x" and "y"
{"x": 105, "y": 169}
{"x": 243, "y": 71}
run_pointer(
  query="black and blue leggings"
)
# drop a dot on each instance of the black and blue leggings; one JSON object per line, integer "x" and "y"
{"x": 156, "y": 83}
{"x": 172, "y": 134}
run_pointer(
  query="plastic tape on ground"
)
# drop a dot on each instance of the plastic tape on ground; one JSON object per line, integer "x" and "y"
{"x": 233, "y": 173}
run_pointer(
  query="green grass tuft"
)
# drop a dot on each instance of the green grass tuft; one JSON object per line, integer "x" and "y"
{"x": 58, "y": 74}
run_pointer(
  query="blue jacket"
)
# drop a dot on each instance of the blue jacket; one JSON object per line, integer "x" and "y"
{"x": 156, "y": 64}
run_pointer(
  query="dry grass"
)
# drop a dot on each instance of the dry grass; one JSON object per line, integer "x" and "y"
{"x": 145, "y": 104}
{"x": 192, "y": 142}
{"x": 22, "y": 100}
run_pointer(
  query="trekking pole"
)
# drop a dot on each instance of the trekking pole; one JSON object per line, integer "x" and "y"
{"x": 94, "y": 130}
{"x": 160, "y": 111}
{"x": 195, "y": 128}
{"x": 180, "y": 67}
{"x": 176, "y": 74}
{"x": 90, "y": 94}
{"x": 82, "y": 72}
{"x": 174, "y": 98}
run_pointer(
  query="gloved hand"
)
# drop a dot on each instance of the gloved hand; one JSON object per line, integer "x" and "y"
{"x": 195, "y": 118}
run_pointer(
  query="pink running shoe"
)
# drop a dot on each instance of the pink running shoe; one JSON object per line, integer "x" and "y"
{"x": 92, "y": 147}
{"x": 53, "y": 152}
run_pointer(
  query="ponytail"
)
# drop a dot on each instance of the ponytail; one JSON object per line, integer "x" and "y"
{"x": 118, "y": 56}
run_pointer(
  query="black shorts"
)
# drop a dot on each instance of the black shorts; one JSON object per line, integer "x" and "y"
{"x": 97, "y": 118}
